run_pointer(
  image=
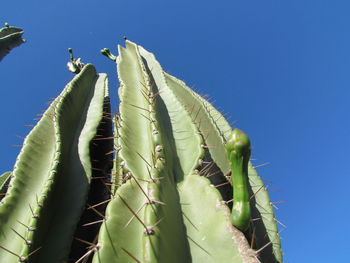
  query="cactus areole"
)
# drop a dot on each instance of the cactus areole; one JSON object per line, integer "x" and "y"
{"x": 150, "y": 184}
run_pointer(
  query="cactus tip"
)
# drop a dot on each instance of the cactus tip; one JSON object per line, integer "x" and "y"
{"x": 70, "y": 50}
{"x": 239, "y": 141}
{"x": 106, "y": 52}
{"x": 74, "y": 65}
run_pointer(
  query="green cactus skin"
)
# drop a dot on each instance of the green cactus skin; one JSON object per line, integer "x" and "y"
{"x": 238, "y": 151}
{"x": 168, "y": 190}
{"x": 212, "y": 123}
{"x": 51, "y": 177}
{"x": 10, "y": 37}
{"x": 164, "y": 211}
{"x": 4, "y": 180}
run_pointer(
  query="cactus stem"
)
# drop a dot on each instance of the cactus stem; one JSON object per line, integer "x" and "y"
{"x": 131, "y": 255}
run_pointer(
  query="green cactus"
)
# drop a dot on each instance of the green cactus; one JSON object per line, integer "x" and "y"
{"x": 238, "y": 151}
{"x": 167, "y": 197}
{"x": 10, "y": 37}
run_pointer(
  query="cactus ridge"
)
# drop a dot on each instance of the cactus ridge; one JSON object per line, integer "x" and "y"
{"x": 4, "y": 181}
{"x": 54, "y": 156}
{"x": 159, "y": 203}
{"x": 151, "y": 184}
{"x": 260, "y": 201}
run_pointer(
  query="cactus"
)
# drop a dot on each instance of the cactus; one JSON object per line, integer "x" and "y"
{"x": 168, "y": 196}
{"x": 10, "y": 37}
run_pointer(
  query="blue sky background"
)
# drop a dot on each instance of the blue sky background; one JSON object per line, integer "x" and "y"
{"x": 279, "y": 68}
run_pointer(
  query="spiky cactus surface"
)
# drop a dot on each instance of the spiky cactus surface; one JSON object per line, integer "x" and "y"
{"x": 165, "y": 197}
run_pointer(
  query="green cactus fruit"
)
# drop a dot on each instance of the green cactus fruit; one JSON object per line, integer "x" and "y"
{"x": 238, "y": 151}
{"x": 10, "y": 37}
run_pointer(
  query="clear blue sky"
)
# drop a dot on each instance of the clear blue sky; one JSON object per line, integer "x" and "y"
{"x": 281, "y": 69}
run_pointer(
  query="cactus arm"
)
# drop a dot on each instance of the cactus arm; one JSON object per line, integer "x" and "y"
{"x": 194, "y": 220}
{"x": 152, "y": 209}
{"x": 41, "y": 144}
{"x": 211, "y": 242}
{"x": 10, "y": 37}
{"x": 178, "y": 128}
{"x": 204, "y": 122}
{"x": 48, "y": 165}
{"x": 261, "y": 207}
{"x": 238, "y": 151}
{"x": 154, "y": 194}
{"x": 135, "y": 113}
{"x": 79, "y": 117}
